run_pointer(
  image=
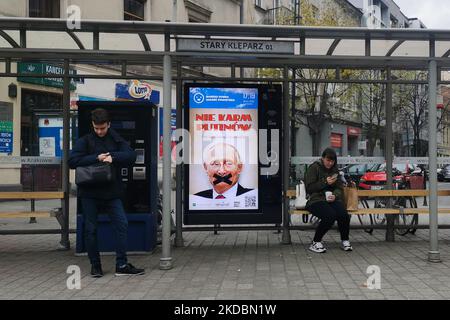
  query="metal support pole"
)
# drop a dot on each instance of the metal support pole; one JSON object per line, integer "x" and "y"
{"x": 124, "y": 68}
{"x": 390, "y": 219}
{"x": 179, "y": 242}
{"x": 293, "y": 97}
{"x": 65, "y": 243}
{"x": 165, "y": 262}
{"x": 7, "y": 65}
{"x": 23, "y": 38}
{"x": 96, "y": 41}
{"x": 33, "y": 209}
{"x": 286, "y": 238}
{"x": 433, "y": 254}
{"x": 368, "y": 48}
{"x": 302, "y": 45}
{"x": 33, "y": 203}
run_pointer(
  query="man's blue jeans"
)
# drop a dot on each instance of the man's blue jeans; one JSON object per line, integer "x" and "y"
{"x": 119, "y": 222}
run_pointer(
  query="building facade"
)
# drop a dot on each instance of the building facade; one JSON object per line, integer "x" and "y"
{"x": 37, "y": 102}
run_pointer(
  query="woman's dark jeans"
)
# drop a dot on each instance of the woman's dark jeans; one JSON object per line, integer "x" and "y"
{"x": 328, "y": 213}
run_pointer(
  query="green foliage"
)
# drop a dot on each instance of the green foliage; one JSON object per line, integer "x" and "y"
{"x": 331, "y": 13}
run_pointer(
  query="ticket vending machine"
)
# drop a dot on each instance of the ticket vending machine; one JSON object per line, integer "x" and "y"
{"x": 137, "y": 123}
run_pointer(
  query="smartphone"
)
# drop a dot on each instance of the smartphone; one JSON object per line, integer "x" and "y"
{"x": 334, "y": 176}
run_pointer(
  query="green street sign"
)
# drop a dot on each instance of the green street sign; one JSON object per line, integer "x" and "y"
{"x": 47, "y": 69}
{"x": 6, "y": 126}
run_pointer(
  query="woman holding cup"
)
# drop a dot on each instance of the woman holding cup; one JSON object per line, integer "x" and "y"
{"x": 326, "y": 200}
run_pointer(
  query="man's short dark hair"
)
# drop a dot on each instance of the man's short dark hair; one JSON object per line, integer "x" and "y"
{"x": 329, "y": 154}
{"x": 100, "y": 116}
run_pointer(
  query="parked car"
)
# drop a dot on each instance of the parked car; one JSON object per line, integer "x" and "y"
{"x": 407, "y": 174}
{"x": 444, "y": 173}
{"x": 354, "y": 172}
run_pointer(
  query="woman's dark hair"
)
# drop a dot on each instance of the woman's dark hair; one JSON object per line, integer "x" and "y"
{"x": 329, "y": 154}
{"x": 100, "y": 116}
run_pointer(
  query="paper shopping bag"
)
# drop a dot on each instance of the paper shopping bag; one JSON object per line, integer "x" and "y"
{"x": 351, "y": 198}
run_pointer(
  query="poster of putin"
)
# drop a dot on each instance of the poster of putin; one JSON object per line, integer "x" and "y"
{"x": 223, "y": 169}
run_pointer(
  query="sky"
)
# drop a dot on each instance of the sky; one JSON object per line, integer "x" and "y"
{"x": 435, "y": 14}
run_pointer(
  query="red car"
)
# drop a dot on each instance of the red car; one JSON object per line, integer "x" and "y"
{"x": 405, "y": 174}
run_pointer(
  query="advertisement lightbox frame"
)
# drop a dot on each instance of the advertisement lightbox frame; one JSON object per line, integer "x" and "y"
{"x": 264, "y": 214}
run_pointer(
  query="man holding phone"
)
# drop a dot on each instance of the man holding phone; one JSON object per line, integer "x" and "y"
{"x": 104, "y": 144}
{"x": 326, "y": 200}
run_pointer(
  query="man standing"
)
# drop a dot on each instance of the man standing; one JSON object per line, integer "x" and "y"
{"x": 104, "y": 145}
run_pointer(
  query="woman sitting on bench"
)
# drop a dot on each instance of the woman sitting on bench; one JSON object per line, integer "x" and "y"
{"x": 326, "y": 200}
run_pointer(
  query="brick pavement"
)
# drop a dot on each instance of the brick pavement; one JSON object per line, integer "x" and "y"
{"x": 234, "y": 265}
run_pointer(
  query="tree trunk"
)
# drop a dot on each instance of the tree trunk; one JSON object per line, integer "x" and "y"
{"x": 316, "y": 139}
{"x": 370, "y": 147}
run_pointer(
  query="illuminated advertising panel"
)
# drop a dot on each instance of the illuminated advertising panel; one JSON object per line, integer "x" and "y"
{"x": 233, "y": 131}
{"x": 224, "y": 170}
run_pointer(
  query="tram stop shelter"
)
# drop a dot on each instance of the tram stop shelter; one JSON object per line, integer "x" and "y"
{"x": 169, "y": 48}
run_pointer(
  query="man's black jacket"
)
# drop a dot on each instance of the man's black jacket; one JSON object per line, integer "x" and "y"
{"x": 85, "y": 153}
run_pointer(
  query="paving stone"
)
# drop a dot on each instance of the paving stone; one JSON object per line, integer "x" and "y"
{"x": 234, "y": 265}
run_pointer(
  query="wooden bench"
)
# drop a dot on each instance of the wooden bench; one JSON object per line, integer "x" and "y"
{"x": 389, "y": 194}
{"x": 31, "y": 196}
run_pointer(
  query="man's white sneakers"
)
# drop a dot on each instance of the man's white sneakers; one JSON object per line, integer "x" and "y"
{"x": 346, "y": 246}
{"x": 317, "y": 247}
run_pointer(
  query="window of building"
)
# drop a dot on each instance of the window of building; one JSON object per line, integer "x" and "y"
{"x": 315, "y": 12}
{"x": 197, "y": 12}
{"x": 44, "y": 8}
{"x": 394, "y": 22}
{"x": 258, "y": 3}
{"x": 134, "y": 10}
{"x": 336, "y": 143}
{"x": 34, "y": 105}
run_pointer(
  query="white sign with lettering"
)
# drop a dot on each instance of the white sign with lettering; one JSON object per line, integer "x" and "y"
{"x": 228, "y": 45}
{"x": 17, "y": 160}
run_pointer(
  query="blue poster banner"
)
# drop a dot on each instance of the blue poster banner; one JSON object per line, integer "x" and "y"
{"x": 6, "y": 142}
{"x": 223, "y": 98}
{"x": 136, "y": 91}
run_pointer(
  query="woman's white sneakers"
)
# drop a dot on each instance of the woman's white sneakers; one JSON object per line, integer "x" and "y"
{"x": 346, "y": 246}
{"x": 317, "y": 247}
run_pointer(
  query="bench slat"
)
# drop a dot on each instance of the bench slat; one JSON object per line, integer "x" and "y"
{"x": 375, "y": 211}
{"x": 375, "y": 193}
{"x": 385, "y": 211}
{"x": 32, "y": 195}
{"x": 360, "y": 211}
{"x": 390, "y": 193}
{"x": 424, "y": 210}
{"x": 26, "y": 214}
{"x": 410, "y": 193}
